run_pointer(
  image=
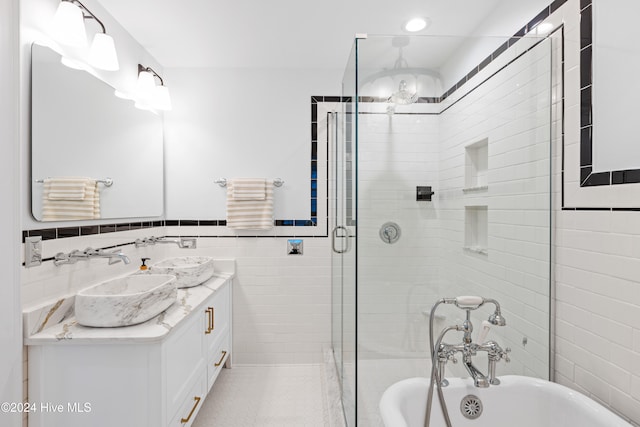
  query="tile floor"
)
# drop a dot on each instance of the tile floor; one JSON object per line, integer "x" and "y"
{"x": 272, "y": 396}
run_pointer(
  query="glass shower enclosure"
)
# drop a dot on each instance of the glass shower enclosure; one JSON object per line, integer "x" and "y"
{"x": 440, "y": 186}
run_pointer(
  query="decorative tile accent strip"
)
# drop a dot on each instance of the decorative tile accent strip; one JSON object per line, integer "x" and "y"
{"x": 88, "y": 230}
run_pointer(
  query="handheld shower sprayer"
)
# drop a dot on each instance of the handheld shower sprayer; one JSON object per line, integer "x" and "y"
{"x": 474, "y": 302}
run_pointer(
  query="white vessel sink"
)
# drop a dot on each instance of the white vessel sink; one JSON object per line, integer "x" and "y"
{"x": 189, "y": 270}
{"x": 126, "y": 300}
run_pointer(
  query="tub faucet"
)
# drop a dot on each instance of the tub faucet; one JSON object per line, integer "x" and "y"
{"x": 447, "y": 352}
{"x": 479, "y": 379}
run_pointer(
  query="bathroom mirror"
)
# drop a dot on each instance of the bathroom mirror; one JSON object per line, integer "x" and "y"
{"x": 79, "y": 128}
{"x": 616, "y": 58}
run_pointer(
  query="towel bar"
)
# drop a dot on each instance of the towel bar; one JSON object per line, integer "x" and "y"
{"x": 222, "y": 182}
{"x": 108, "y": 182}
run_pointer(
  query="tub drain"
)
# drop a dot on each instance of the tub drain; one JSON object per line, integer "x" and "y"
{"x": 471, "y": 407}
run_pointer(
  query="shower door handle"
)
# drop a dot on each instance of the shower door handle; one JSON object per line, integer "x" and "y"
{"x": 344, "y": 248}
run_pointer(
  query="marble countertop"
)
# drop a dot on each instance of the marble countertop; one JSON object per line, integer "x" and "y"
{"x": 53, "y": 326}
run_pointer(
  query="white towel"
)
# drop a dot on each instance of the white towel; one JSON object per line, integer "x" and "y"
{"x": 249, "y": 189}
{"x": 250, "y": 214}
{"x": 69, "y": 198}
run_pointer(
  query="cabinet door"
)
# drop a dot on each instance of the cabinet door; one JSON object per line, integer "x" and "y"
{"x": 218, "y": 340}
{"x": 192, "y": 403}
{"x": 184, "y": 361}
{"x": 218, "y": 310}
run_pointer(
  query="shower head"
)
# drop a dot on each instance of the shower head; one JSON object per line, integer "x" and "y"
{"x": 496, "y": 318}
{"x": 403, "y": 96}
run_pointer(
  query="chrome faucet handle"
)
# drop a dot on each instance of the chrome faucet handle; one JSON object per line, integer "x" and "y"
{"x": 505, "y": 355}
{"x": 187, "y": 243}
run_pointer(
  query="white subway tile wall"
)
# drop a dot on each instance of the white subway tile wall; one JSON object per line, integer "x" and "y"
{"x": 597, "y": 262}
{"x": 508, "y": 222}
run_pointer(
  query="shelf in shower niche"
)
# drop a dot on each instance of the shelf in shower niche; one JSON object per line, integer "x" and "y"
{"x": 476, "y": 189}
{"x": 476, "y": 250}
{"x": 476, "y": 229}
{"x": 476, "y": 162}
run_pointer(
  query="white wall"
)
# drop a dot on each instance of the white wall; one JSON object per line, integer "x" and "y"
{"x": 240, "y": 123}
{"x": 10, "y": 317}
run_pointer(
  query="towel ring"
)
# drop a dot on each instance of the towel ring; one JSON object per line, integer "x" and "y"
{"x": 108, "y": 182}
{"x": 222, "y": 182}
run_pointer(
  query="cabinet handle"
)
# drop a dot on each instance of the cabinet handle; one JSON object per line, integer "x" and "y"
{"x": 213, "y": 318}
{"x": 224, "y": 353}
{"x": 209, "y": 312}
{"x": 186, "y": 420}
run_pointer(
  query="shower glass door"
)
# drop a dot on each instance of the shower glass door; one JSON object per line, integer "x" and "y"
{"x": 342, "y": 142}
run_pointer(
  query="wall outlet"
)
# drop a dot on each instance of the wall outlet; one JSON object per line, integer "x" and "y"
{"x": 33, "y": 251}
{"x": 294, "y": 246}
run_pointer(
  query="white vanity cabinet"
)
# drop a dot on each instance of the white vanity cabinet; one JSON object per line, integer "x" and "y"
{"x": 134, "y": 376}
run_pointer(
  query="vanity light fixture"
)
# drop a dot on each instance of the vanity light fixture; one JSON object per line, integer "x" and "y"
{"x": 150, "y": 96}
{"x": 67, "y": 27}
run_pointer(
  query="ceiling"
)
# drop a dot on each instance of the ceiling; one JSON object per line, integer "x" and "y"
{"x": 298, "y": 33}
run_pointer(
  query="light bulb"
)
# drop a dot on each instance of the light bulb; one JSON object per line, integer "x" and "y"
{"x": 145, "y": 90}
{"x": 67, "y": 26}
{"x": 102, "y": 54}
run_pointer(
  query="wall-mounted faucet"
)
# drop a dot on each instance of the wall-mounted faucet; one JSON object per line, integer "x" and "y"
{"x": 114, "y": 256}
{"x": 75, "y": 255}
{"x": 183, "y": 243}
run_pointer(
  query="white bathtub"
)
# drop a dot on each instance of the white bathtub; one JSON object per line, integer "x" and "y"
{"x": 517, "y": 401}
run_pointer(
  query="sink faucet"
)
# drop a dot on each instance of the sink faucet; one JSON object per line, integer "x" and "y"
{"x": 114, "y": 256}
{"x": 183, "y": 243}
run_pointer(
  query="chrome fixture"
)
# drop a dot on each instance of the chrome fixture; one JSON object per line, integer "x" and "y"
{"x": 114, "y": 256}
{"x": 222, "y": 182}
{"x": 183, "y": 243}
{"x": 441, "y": 353}
{"x": 75, "y": 255}
{"x": 108, "y": 182}
{"x": 402, "y": 96}
{"x": 67, "y": 27}
{"x": 390, "y": 232}
{"x": 150, "y": 96}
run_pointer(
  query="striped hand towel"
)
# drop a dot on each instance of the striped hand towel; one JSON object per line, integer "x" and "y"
{"x": 250, "y": 214}
{"x": 249, "y": 189}
{"x": 65, "y": 188}
{"x": 61, "y": 199}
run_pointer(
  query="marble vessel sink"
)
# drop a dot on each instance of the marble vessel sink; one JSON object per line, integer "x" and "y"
{"x": 126, "y": 300}
{"x": 189, "y": 270}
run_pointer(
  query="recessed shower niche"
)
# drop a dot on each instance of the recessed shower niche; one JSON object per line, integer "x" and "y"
{"x": 476, "y": 160}
{"x": 476, "y": 229}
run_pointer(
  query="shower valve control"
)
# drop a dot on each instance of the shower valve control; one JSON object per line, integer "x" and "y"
{"x": 390, "y": 232}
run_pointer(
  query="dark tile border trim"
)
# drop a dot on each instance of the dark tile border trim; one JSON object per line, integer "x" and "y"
{"x": 88, "y": 230}
{"x": 589, "y": 178}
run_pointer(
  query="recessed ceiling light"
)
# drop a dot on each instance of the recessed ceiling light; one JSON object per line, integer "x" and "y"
{"x": 416, "y": 24}
{"x": 544, "y": 28}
